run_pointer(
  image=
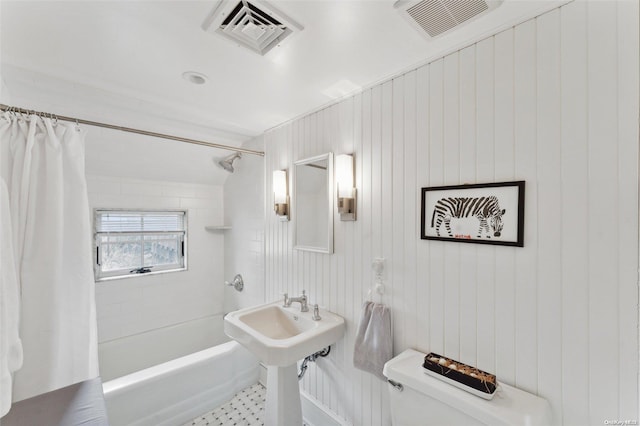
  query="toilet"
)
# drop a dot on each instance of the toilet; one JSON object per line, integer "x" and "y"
{"x": 417, "y": 399}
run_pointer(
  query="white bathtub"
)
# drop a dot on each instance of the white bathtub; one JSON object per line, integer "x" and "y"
{"x": 175, "y": 391}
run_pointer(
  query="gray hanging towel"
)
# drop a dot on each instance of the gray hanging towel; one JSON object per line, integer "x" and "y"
{"x": 374, "y": 344}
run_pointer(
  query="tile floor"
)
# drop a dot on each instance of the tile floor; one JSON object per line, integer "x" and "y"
{"x": 245, "y": 409}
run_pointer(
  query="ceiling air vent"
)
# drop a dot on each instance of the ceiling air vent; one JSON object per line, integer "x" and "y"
{"x": 256, "y": 25}
{"x": 435, "y": 17}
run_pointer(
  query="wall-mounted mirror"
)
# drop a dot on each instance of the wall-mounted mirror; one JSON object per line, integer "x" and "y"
{"x": 313, "y": 203}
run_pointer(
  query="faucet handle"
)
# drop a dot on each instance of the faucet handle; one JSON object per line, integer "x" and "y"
{"x": 286, "y": 300}
{"x": 304, "y": 293}
{"x": 316, "y": 313}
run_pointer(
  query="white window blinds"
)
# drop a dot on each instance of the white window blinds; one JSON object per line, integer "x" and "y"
{"x": 122, "y": 221}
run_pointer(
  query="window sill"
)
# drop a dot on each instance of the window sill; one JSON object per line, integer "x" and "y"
{"x": 121, "y": 277}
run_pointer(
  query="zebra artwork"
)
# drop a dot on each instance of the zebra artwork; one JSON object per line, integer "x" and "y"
{"x": 485, "y": 209}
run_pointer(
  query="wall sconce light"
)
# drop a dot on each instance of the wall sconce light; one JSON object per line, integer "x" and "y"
{"x": 346, "y": 189}
{"x": 280, "y": 194}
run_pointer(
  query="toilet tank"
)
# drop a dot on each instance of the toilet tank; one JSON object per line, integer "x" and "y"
{"x": 417, "y": 399}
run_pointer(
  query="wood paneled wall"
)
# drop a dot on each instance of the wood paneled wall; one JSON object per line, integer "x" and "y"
{"x": 552, "y": 101}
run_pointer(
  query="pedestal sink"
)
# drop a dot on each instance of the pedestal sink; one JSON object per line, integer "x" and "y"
{"x": 280, "y": 336}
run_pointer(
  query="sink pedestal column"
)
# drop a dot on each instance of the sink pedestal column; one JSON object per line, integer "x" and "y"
{"x": 282, "y": 406}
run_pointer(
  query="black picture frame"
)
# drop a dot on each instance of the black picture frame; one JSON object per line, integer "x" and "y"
{"x": 450, "y": 213}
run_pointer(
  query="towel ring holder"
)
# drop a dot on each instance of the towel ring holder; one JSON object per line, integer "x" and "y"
{"x": 378, "y": 288}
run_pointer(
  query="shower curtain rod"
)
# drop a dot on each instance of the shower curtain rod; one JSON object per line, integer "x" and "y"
{"x": 129, "y": 130}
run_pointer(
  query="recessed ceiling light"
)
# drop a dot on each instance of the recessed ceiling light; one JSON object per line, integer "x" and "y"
{"x": 195, "y": 77}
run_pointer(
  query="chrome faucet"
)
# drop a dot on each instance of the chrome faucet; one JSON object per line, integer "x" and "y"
{"x": 302, "y": 300}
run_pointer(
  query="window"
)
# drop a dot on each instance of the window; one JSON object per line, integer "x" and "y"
{"x": 129, "y": 243}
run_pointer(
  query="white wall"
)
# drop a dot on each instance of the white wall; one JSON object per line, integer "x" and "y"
{"x": 5, "y": 98}
{"x": 134, "y": 305}
{"x": 244, "y": 200}
{"x": 553, "y": 101}
{"x": 4, "y": 148}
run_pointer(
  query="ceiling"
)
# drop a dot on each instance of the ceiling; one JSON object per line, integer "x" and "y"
{"x": 129, "y": 56}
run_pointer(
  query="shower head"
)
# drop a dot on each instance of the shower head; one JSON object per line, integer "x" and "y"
{"x": 227, "y": 163}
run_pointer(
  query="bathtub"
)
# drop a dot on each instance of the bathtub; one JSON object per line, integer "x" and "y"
{"x": 173, "y": 391}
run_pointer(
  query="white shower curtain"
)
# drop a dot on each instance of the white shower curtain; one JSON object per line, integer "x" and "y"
{"x": 52, "y": 240}
{"x": 10, "y": 344}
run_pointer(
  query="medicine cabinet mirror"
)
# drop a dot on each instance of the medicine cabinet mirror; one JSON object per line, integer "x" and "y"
{"x": 313, "y": 203}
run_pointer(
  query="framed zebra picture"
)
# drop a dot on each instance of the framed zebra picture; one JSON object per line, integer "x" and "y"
{"x": 486, "y": 213}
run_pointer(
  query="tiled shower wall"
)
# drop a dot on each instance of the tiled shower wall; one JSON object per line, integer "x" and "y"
{"x": 244, "y": 242}
{"x": 552, "y": 101}
{"x": 134, "y": 305}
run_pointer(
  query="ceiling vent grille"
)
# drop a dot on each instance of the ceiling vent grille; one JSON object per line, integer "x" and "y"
{"x": 435, "y": 17}
{"x": 256, "y": 25}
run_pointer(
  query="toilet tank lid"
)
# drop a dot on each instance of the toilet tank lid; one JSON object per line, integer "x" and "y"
{"x": 509, "y": 406}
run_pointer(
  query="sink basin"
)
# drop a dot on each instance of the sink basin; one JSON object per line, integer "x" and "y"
{"x": 281, "y": 336}
{"x": 275, "y": 323}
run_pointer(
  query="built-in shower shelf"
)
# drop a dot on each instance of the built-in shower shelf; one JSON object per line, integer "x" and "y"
{"x": 218, "y": 228}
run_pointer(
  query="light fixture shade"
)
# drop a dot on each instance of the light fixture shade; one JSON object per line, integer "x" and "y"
{"x": 280, "y": 186}
{"x": 344, "y": 175}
